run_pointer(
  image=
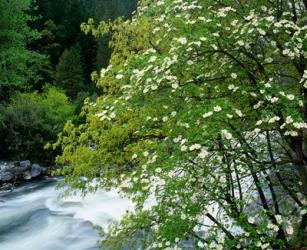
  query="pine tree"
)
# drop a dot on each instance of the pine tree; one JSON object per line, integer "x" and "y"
{"x": 48, "y": 46}
{"x": 69, "y": 72}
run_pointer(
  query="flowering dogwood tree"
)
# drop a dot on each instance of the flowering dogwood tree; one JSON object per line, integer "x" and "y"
{"x": 203, "y": 108}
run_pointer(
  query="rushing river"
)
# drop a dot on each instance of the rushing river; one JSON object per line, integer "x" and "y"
{"x": 33, "y": 218}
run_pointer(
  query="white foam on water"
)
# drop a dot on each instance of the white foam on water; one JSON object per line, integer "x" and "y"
{"x": 35, "y": 219}
{"x": 97, "y": 208}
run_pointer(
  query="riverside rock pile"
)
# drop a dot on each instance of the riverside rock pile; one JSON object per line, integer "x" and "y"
{"x": 18, "y": 171}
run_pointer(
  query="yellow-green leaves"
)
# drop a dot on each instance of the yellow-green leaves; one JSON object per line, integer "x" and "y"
{"x": 195, "y": 112}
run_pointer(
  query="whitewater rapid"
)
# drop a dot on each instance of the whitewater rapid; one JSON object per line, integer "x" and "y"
{"x": 33, "y": 218}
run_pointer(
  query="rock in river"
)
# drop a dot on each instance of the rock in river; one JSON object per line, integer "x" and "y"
{"x": 25, "y": 164}
{"x": 36, "y": 170}
{"x": 19, "y": 171}
{"x": 6, "y": 176}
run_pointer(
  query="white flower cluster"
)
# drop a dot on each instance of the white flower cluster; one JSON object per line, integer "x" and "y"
{"x": 222, "y": 12}
{"x": 104, "y": 71}
{"x": 106, "y": 115}
{"x": 182, "y": 40}
{"x": 226, "y": 134}
{"x": 163, "y": 73}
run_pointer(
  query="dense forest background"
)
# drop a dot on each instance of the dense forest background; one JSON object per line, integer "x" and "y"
{"x": 46, "y": 63}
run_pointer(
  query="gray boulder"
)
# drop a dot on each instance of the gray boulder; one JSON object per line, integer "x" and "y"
{"x": 6, "y": 166}
{"x": 36, "y": 170}
{"x": 20, "y": 171}
{"x": 25, "y": 164}
{"x": 6, "y": 176}
{"x": 27, "y": 175}
{"x": 17, "y": 171}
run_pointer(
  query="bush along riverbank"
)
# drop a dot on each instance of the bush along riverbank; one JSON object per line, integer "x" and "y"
{"x": 12, "y": 173}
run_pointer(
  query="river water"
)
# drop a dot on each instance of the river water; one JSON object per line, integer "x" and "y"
{"x": 33, "y": 218}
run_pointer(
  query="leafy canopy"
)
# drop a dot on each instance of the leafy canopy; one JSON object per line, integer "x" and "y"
{"x": 31, "y": 120}
{"x": 204, "y": 108}
{"x": 19, "y": 66}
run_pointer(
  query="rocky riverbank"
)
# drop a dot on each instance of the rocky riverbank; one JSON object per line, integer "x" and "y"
{"x": 15, "y": 172}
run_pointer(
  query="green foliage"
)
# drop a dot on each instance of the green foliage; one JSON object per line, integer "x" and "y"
{"x": 31, "y": 120}
{"x": 204, "y": 108}
{"x": 48, "y": 44}
{"x": 66, "y": 17}
{"x": 60, "y": 108}
{"x": 19, "y": 66}
{"x": 41, "y": 43}
{"x": 109, "y": 10}
{"x": 69, "y": 72}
